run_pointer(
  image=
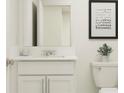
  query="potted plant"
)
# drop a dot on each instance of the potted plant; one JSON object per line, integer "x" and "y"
{"x": 105, "y": 51}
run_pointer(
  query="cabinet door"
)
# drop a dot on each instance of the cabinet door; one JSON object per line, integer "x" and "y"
{"x": 31, "y": 84}
{"x": 60, "y": 84}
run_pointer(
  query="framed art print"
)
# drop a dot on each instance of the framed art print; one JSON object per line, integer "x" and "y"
{"x": 103, "y": 19}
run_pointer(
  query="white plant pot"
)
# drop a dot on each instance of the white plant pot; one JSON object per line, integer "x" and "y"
{"x": 105, "y": 58}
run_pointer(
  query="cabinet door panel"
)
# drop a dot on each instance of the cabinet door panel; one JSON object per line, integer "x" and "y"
{"x": 60, "y": 84}
{"x": 31, "y": 84}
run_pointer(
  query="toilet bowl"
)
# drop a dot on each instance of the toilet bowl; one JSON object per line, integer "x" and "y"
{"x": 105, "y": 76}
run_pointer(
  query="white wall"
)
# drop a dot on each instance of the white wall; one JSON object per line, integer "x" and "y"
{"x": 40, "y": 17}
{"x": 11, "y": 24}
{"x": 85, "y": 48}
{"x": 25, "y": 22}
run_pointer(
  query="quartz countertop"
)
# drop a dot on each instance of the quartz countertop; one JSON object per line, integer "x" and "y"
{"x": 50, "y": 58}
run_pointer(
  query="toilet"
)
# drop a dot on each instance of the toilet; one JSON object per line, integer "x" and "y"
{"x": 105, "y": 75}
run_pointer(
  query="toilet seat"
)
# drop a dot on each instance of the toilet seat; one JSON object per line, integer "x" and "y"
{"x": 108, "y": 90}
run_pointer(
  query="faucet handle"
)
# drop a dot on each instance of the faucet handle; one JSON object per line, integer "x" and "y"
{"x": 48, "y": 53}
{"x": 52, "y": 52}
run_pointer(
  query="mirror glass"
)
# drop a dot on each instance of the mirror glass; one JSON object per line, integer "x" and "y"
{"x": 56, "y": 26}
{"x": 45, "y": 23}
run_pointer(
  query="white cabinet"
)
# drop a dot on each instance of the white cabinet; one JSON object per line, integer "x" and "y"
{"x": 25, "y": 22}
{"x": 60, "y": 84}
{"x": 45, "y": 77}
{"x": 31, "y": 84}
{"x": 45, "y": 84}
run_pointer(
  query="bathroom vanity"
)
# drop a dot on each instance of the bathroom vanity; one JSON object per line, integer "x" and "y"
{"x": 45, "y": 61}
{"x": 44, "y": 75}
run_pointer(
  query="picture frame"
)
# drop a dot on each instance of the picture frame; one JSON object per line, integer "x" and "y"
{"x": 103, "y": 19}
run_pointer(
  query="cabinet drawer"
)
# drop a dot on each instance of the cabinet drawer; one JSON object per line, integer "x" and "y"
{"x": 45, "y": 67}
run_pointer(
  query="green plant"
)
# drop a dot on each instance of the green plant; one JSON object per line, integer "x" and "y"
{"x": 105, "y": 50}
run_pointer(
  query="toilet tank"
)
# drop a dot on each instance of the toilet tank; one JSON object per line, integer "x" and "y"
{"x": 105, "y": 74}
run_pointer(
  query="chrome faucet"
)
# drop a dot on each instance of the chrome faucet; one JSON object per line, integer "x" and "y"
{"x": 48, "y": 53}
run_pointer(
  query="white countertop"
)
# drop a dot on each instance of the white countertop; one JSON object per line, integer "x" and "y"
{"x": 30, "y": 58}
